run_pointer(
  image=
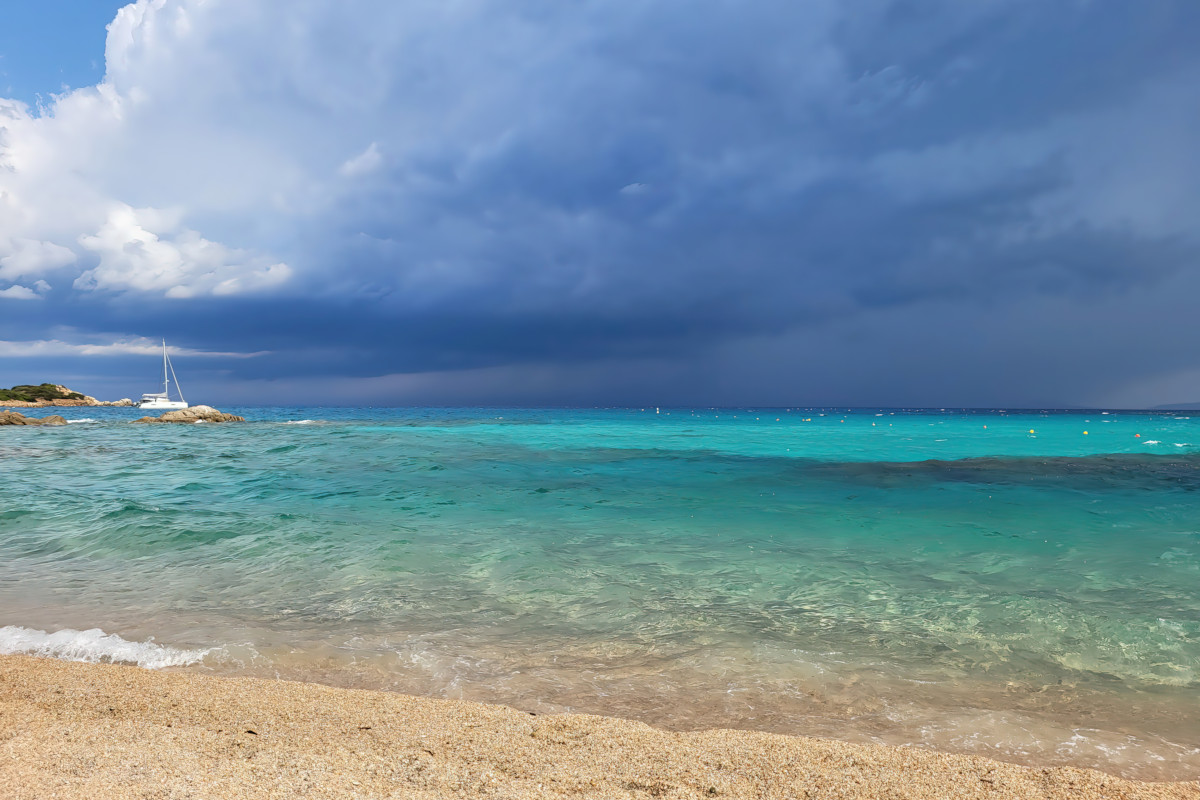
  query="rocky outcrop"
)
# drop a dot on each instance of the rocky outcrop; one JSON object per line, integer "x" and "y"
{"x": 13, "y": 418}
{"x": 59, "y": 403}
{"x": 194, "y": 414}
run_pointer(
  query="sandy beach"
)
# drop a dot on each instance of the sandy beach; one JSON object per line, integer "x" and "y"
{"x": 84, "y": 730}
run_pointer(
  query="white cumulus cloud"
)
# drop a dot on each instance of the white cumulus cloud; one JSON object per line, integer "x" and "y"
{"x": 18, "y": 292}
{"x": 31, "y": 257}
{"x": 67, "y": 177}
{"x": 132, "y": 256}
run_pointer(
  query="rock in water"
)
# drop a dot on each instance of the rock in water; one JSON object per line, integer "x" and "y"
{"x": 13, "y": 418}
{"x": 194, "y": 414}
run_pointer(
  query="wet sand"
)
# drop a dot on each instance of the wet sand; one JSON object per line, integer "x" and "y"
{"x": 84, "y": 730}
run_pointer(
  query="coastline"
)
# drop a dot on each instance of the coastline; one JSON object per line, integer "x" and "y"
{"x": 74, "y": 729}
{"x": 54, "y": 395}
{"x": 89, "y": 402}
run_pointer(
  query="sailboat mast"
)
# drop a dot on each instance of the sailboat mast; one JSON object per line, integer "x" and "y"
{"x": 166, "y": 390}
{"x": 178, "y": 388}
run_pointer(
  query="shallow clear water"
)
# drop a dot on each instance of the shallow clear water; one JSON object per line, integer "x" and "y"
{"x": 998, "y": 583}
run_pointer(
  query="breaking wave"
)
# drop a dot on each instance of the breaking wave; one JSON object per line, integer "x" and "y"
{"x": 93, "y": 646}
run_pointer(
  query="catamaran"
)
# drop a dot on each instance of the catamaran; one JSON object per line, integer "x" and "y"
{"x": 161, "y": 401}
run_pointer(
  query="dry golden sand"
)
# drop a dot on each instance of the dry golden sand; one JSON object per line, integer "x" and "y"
{"x": 101, "y": 731}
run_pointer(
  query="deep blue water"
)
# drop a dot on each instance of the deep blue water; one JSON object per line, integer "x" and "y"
{"x": 993, "y": 582}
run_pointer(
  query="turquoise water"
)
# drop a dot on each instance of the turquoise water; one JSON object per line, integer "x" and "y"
{"x": 998, "y": 583}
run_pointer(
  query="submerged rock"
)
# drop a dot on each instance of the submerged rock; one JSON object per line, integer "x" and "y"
{"x": 14, "y": 418}
{"x": 194, "y": 414}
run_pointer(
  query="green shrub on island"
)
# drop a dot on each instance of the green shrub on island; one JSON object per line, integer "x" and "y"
{"x": 33, "y": 394}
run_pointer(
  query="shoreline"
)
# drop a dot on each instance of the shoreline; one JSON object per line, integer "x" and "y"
{"x": 92, "y": 403}
{"x": 75, "y": 729}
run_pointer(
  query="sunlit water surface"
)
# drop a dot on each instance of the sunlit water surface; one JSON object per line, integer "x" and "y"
{"x": 994, "y": 583}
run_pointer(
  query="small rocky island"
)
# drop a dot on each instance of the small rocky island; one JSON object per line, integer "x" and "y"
{"x": 52, "y": 395}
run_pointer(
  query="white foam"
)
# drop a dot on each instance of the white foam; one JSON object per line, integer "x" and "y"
{"x": 93, "y": 646}
{"x": 78, "y": 421}
{"x": 300, "y": 422}
{"x": 1153, "y": 441}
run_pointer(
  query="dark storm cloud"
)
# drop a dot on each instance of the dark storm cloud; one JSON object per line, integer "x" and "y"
{"x": 669, "y": 182}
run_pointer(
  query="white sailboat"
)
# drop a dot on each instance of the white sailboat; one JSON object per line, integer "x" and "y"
{"x": 161, "y": 401}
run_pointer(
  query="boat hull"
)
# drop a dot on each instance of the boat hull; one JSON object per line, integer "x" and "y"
{"x": 162, "y": 405}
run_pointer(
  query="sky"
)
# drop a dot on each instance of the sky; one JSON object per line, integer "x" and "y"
{"x": 627, "y": 202}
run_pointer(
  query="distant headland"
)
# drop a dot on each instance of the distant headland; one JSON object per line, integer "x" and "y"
{"x": 52, "y": 394}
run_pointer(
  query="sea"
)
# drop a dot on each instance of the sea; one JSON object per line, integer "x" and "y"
{"x": 1019, "y": 584}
